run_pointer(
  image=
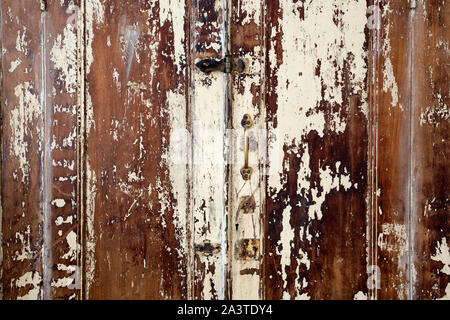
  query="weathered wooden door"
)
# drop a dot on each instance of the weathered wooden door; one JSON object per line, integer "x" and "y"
{"x": 121, "y": 166}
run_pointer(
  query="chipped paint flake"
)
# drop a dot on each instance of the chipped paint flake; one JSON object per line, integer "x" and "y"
{"x": 59, "y": 203}
{"x": 64, "y": 57}
{"x": 71, "y": 239}
{"x": 360, "y": 296}
{"x": 393, "y": 238}
{"x": 30, "y": 279}
{"x": 443, "y": 255}
{"x": 15, "y": 64}
{"x": 22, "y": 123}
{"x": 435, "y": 115}
{"x": 389, "y": 80}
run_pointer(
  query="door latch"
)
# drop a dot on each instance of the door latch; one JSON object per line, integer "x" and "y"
{"x": 227, "y": 65}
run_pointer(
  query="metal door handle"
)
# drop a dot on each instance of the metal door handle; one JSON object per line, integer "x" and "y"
{"x": 246, "y": 171}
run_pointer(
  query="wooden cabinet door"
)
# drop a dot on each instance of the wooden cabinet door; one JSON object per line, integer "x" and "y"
{"x": 121, "y": 167}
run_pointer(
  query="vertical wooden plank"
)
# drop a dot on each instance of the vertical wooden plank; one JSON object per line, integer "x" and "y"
{"x": 430, "y": 154}
{"x": 60, "y": 161}
{"x": 22, "y": 114}
{"x": 317, "y": 105}
{"x": 54, "y": 144}
{"x": 136, "y": 194}
{"x": 390, "y": 197}
{"x": 245, "y": 205}
{"x": 208, "y": 127}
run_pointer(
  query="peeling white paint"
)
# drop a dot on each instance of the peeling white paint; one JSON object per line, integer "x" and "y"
{"x": 64, "y": 57}
{"x": 59, "y": 203}
{"x": 71, "y": 239}
{"x": 30, "y": 278}
{"x": 15, "y": 64}
{"x": 21, "y": 42}
{"x": 60, "y": 220}
{"x": 393, "y": 238}
{"x": 23, "y": 123}
{"x": 90, "y": 234}
{"x": 329, "y": 180}
{"x": 360, "y": 296}
{"x": 173, "y": 11}
{"x": 177, "y": 172}
{"x": 328, "y": 42}
{"x": 436, "y": 114}
{"x": 443, "y": 255}
{"x": 286, "y": 239}
{"x": 389, "y": 80}
{"x": 25, "y": 241}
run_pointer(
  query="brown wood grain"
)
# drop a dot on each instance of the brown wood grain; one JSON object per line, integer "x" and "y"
{"x": 135, "y": 245}
{"x": 410, "y": 134}
{"x": 430, "y": 150}
{"x": 390, "y": 150}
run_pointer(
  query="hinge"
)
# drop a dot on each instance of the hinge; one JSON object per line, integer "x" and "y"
{"x": 228, "y": 65}
{"x": 207, "y": 248}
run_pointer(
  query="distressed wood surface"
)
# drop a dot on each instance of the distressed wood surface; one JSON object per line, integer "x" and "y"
{"x": 121, "y": 160}
{"x": 317, "y": 107}
{"x": 39, "y": 181}
{"x": 430, "y": 150}
{"x": 60, "y": 147}
{"x": 410, "y": 151}
{"x": 22, "y": 114}
{"x": 390, "y": 150}
{"x": 136, "y": 194}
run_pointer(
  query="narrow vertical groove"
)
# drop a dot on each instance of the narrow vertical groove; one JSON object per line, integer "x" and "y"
{"x": 191, "y": 97}
{"x": 410, "y": 169}
{"x": 46, "y": 170}
{"x": 193, "y": 264}
{"x": 189, "y": 209}
{"x": 227, "y": 120}
{"x": 82, "y": 150}
{"x": 374, "y": 74}
{"x": 378, "y": 73}
{"x": 264, "y": 221}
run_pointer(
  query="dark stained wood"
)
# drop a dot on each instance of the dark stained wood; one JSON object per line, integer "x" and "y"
{"x": 430, "y": 151}
{"x": 390, "y": 150}
{"x": 410, "y": 151}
